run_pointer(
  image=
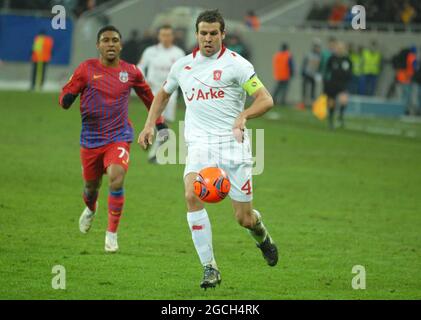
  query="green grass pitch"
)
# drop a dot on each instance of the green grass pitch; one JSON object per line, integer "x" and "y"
{"x": 331, "y": 200}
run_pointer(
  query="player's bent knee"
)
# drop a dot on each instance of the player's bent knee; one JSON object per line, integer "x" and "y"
{"x": 116, "y": 182}
{"x": 246, "y": 220}
{"x": 192, "y": 200}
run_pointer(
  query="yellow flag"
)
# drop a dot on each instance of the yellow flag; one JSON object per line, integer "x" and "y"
{"x": 319, "y": 107}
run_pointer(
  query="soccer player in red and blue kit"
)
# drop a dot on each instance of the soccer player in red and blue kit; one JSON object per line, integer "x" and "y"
{"x": 104, "y": 85}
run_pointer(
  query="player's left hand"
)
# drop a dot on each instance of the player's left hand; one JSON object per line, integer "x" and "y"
{"x": 238, "y": 128}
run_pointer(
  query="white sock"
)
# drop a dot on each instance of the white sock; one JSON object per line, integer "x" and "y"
{"x": 200, "y": 228}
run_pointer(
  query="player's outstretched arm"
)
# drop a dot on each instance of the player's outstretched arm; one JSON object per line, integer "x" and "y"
{"x": 158, "y": 105}
{"x": 262, "y": 103}
{"x": 73, "y": 87}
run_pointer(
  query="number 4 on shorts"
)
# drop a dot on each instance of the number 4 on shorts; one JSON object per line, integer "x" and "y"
{"x": 247, "y": 187}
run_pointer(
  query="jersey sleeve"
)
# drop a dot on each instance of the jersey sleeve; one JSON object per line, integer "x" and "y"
{"x": 142, "y": 89}
{"x": 171, "y": 84}
{"x": 245, "y": 71}
{"x": 76, "y": 83}
{"x": 247, "y": 78}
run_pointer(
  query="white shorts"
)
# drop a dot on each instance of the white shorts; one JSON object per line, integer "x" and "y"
{"x": 232, "y": 157}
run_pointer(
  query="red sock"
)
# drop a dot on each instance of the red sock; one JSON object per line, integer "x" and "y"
{"x": 115, "y": 209}
{"x": 90, "y": 200}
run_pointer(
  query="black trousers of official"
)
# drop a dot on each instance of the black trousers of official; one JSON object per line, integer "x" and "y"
{"x": 308, "y": 81}
{"x": 38, "y": 75}
{"x": 280, "y": 92}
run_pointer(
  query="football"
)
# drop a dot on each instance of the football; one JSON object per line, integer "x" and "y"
{"x": 212, "y": 185}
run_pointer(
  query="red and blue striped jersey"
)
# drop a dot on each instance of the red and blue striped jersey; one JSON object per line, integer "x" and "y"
{"x": 104, "y": 100}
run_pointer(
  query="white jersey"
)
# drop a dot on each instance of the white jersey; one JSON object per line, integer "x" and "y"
{"x": 212, "y": 91}
{"x": 158, "y": 61}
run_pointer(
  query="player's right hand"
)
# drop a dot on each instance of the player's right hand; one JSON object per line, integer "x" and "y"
{"x": 146, "y": 137}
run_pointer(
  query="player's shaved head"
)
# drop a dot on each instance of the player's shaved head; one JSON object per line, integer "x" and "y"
{"x": 211, "y": 16}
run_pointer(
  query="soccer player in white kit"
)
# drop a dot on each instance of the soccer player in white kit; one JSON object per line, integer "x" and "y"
{"x": 214, "y": 81}
{"x": 155, "y": 63}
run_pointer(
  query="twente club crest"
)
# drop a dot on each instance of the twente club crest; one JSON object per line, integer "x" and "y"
{"x": 217, "y": 75}
{"x": 124, "y": 76}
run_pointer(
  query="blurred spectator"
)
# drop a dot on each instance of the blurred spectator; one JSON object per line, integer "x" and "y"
{"x": 90, "y": 4}
{"x": 69, "y": 5}
{"x": 338, "y": 13}
{"x": 130, "y": 51}
{"x": 325, "y": 56}
{"x": 398, "y": 62}
{"x": 417, "y": 80}
{"x": 319, "y": 12}
{"x": 180, "y": 38}
{"x": 339, "y": 73}
{"x": 234, "y": 43}
{"x": 283, "y": 70}
{"x": 371, "y": 68}
{"x": 148, "y": 39}
{"x": 310, "y": 73}
{"x": 355, "y": 55}
{"x": 404, "y": 76}
{"x": 377, "y": 11}
{"x": 41, "y": 55}
{"x": 252, "y": 21}
{"x": 407, "y": 13}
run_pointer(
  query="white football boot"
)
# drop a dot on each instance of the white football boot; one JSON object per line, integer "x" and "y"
{"x": 86, "y": 219}
{"x": 111, "y": 244}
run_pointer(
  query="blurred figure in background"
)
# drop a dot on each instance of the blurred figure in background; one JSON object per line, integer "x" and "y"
{"x": 283, "y": 70}
{"x": 130, "y": 52}
{"x": 148, "y": 39}
{"x": 407, "y": 13}
{"x": 180, "y": 38}
{"x": 339, "y": 73}
{"x": 371, "y": 68}
{"x": 234, "y": 43}
{"x": 42, "y": 49}
{"x": 355, "y": 55}
{"x": 252, "y": 20}
{"x": 325, "y": 56}
{"x": 310, "y": 73}
{"x": 404, "y": 76}
{"x": 338, "y": 13}
{"x": 155, "y": 63}
{"x": 417, "y": 81}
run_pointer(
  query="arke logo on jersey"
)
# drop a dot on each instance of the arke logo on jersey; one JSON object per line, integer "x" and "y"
{"x": 201, "y": 95}
{"x": 124, "y": 76}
